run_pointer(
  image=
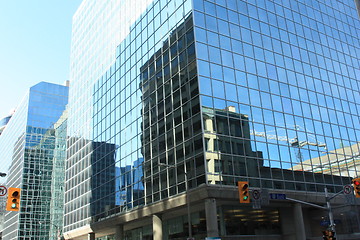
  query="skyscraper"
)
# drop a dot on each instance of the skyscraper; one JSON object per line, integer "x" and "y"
{"x": 203, "y": 94}
{"x": 92, "y": 53}
{"x": 27, "y": 152}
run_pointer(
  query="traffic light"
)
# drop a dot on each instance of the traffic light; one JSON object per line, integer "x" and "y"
{"x": 244, "y": 192}
{"x": 329, "y": 235}
{"x": 356, "y": 185}
{"x": 13, "y": 200}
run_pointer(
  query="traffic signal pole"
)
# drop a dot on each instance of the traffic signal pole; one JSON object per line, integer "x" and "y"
{"x": 328, "y": 207}
{"x": 331, "y": 216}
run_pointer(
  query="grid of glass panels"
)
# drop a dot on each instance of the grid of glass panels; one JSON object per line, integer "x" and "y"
{"x": 94, "y": 40}
{"x": 16, "y": 127}
{"x": 27, "y": 146}
{"x": 58, "y": 178}
{"x": 279, "y": 84}
{"x": 172, "y": 140}
{"x": 139, "y": 109}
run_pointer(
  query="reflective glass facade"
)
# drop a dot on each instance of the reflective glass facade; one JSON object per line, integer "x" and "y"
{"x": 124, "y": 105}
{"x": 289, "y": 72}
{"x": 94, "y": 40}
{"x": 58, "y": 178}
{"x": 217, "y": 92}
{"x": 27, "y": 152}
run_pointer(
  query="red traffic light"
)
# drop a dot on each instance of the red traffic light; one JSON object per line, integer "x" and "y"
{"x": 356, "y": 186}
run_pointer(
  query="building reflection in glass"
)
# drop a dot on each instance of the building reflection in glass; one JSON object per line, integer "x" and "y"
{"x": 230, "y": 157}
{"x": 171, "y": 116}
{"x": 228, "y": 149}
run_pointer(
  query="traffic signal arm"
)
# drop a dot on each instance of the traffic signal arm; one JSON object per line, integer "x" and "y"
{"x": 13, "y": 199}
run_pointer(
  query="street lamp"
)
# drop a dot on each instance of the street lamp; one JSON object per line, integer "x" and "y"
{"x": 2, "y": 174}
{"x": 187, "y": 198}
{"x": 57, "y": 227}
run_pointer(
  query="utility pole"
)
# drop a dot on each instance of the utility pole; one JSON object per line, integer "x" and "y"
{"x": 331, "y": 216}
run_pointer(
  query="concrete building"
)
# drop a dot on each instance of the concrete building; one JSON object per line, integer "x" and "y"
{"x": 200, "y": 95}
{"x": 27, "y": 153}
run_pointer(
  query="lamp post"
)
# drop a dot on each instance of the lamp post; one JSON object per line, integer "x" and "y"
{"x": 57, "y": 228}
{"x": 187, "y": 198}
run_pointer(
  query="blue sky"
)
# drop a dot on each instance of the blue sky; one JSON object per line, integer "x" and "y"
{"x": 34, "y": 46}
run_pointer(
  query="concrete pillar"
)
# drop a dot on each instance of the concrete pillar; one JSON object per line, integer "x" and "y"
{"x": 119, "y": 232}
{"x": 287, "y": 223}
{"x": 307, "y": 222}
{"x": 157, "y": 227}
{"x": 91, "y": 236}
{"x": 222, "y": 221}
{"x": 211, "y": 218}
{"x": 299, "y": 222}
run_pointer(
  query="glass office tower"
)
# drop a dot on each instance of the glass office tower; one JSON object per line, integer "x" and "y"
{"x": 27, "y": 152}
{"x": 203, "y": 94}
{"x": 98, "y": 27}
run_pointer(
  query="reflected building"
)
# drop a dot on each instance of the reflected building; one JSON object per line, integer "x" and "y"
{"x": 28, "y": 146}
{"x": 55, "y": 224}
{"x": 226, "y": 156}
{"x": 88, "y": 63}
{"x": 101, "y": 182}
{"x": 103, "y": 179}
{"x": 126, "y": 187}
{"x": 343, "y": 161}
{"x": 209, "y": 93}
{"x": 4, "y": 121}
{"x": 171, "y": 120}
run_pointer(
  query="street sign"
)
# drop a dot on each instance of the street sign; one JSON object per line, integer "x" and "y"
{"x": 3, "y": 190}
{"x": 350, "y": 199}
{"x": 256, "y": 199}
{"x": 265, "y": 200}
{"x": 347, "y": 189}
{"x": 256, "y": 194}
{"x": 256, "y": 204}
{"x": 277, "y": 196}
{"x": 326, "y": 223}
